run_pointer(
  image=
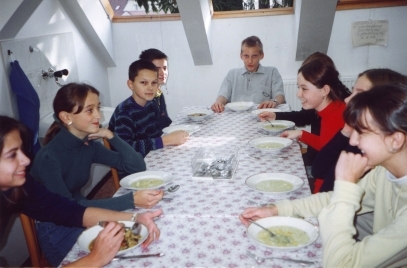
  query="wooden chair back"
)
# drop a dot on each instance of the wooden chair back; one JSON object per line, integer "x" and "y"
{"x": 115, "y": 175}
{"x": 36, "y": 256}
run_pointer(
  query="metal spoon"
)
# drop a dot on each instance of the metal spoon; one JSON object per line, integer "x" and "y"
{"x": 138, "y": 256}
{"x": 264, "y": 228}
{"x": 270, "y": 122}
{"x": 172, "y": 189}
{"x": 260, "y": 260}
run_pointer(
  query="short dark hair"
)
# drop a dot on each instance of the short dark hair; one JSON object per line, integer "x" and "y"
{"x": 381, "y": 76}
{"x": 152, "y": 54}
{"x": 253, "y": 41}
{"x": 139, "y": 65}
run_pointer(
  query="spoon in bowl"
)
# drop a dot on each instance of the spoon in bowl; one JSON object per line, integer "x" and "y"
{"x": 135, "y": 228}
{"x": 270, "y": 122}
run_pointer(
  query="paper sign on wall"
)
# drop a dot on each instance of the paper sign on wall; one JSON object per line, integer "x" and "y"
{"x": 371, "y": 32}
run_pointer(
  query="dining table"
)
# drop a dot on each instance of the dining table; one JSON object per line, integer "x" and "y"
{"x": 200, "y": 224}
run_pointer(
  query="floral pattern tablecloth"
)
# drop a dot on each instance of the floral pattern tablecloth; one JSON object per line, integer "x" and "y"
{"x": 200, "y": 225}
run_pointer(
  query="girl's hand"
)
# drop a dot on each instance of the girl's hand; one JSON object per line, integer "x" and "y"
{"x": 264, "y": 116}
{"x": 147, "y": 219}
{"x": 107, "y": 244}
{"x": 257, "y": 213}
{"x": 147, "y": 198}
{"x": 351, "y": 167}
{"x": 102, "y": 133}
{"x": 291, "y": 134}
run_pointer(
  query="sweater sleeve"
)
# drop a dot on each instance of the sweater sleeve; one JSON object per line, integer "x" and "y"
{"x": 48, "y": 171}
{"x": 309, "y": 206}
{"x": 124, "y": 158}
{"x": 300, "y": 118}
{"x": 337, "y": 231}
{"x": 164, "y": 120}
{"x": 43, "y": 205}
{"x": 123, "y": 126}
{"x": 328, "y": 155}
{"x": 119, "y": 203}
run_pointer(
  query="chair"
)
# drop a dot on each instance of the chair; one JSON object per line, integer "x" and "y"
{"x": 36, "y": 256}
{"x": 115, "y": 175}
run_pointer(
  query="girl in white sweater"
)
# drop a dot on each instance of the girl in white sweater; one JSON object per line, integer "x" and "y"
{"x": 377, "y": 202}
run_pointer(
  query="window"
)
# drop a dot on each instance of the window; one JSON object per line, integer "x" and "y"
{"x": 150, "y": 10}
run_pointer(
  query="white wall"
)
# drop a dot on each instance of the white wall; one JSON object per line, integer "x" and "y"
{"x": 50, "y": 18}
{"x": 198, "y": 85}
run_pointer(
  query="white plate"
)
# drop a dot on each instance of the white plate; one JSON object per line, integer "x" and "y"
{"x": 188, "y": 128}
{"x": 285, "y": 123}
{"x": 307, "y": 227}
{"x": 90, "y": 234}
{"x": 252, "y": 181}
{"x": 199, "y": 111}
{"x": 128, "y": 180}
{"x": 239, "y": 106}
{"x": 284, "y": 141}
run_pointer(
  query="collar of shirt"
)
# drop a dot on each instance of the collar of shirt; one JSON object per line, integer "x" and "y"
{"x": 397, "y": 181}
{"x": 69, "y": 140}
{"x": 260, "y": 70}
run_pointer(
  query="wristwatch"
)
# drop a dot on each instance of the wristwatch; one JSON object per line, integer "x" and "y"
{"x": 274, "y": 101}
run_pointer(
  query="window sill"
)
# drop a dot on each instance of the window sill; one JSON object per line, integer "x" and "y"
{"x": 253, "y": 13}
{"x": 141, "y": 18}
{"x": 360, "y": 4}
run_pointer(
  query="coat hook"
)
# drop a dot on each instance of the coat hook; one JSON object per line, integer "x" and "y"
{"x": 32, "y": 49}
{"x": 9, "y": 52}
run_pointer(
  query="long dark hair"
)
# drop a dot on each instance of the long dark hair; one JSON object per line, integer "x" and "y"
{"x": 321, "y": 71}
{"x": 11, "y": 200}
{"x": 67, "y": 98}
{"x": 387, "y": 104}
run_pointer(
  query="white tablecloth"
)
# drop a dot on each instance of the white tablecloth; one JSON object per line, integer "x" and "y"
{"x": 200, "y": 226}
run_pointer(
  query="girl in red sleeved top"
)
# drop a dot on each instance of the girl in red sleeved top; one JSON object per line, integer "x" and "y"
{"x": 319, "y": 88}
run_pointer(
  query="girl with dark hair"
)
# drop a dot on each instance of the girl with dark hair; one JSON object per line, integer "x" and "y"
{"x": 21, "y": 193}
{"x": 63, "y": 165}
{"x": 319, "y": 88}
{"x": 377, "y": 203}
{"x": 325, "y": 161}
{"x": 310, "y": 117}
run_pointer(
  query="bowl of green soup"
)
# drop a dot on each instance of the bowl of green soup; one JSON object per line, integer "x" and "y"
{"x": 274, "y": 183}
{"x": 146, "y": 180}
{"x": 270, "y": 144}
{"x": 276, "y": 126}
{"x": 291, "y": 233}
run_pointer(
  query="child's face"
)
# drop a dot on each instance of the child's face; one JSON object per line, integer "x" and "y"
{"x": 310, "y": 96}
{"x": 87, "y": 121}
{"x": 162, "y": 68}
{"x": 372, "y": 142}
{"x": 251, "y": 57}
{"x": 12, "y": 162}
{"x": 362, "y": 84}
{"x": 144, "y": 86}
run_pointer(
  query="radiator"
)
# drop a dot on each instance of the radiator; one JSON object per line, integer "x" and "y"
{"x": 290, "y": 91}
